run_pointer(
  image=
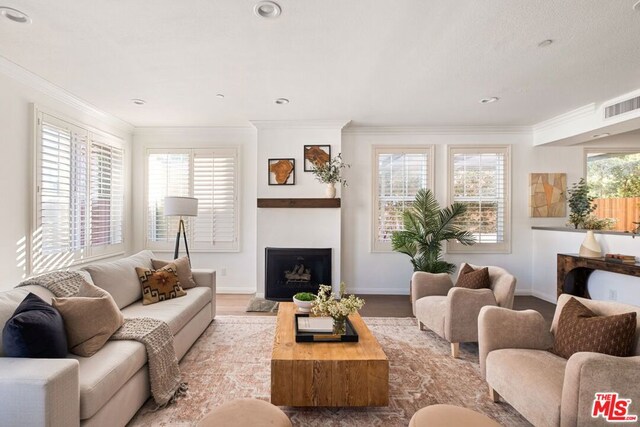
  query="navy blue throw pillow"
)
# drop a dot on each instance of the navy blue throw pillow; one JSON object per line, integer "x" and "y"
{"x": 36, "y": 329}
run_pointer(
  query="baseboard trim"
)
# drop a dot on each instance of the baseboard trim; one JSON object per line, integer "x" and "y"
{"x": 537, "y": 294}
{"x": 543, "y": 296}
{"x": 234, "y": 290}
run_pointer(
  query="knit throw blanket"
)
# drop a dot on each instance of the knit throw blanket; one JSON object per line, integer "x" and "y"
{"x": 164, "y": 372}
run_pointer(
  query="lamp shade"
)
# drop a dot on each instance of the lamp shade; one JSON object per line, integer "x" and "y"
{"x": 180, "y": 206}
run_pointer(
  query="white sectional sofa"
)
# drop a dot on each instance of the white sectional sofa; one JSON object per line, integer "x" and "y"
{"x": 107, "y": 388}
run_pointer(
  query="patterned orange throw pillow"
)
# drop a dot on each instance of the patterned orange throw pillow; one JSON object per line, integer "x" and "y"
{"x": 473, "y": 279}
{"x": 159, "y": 285}
{"x": 580, "y": 329}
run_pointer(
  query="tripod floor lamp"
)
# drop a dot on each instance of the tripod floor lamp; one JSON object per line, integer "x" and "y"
{"x": 181, "y": 206}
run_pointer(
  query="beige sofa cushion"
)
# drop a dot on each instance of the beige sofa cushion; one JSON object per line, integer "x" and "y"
{"x": 183, "y": 268}
{"x": 515, "y": 373}
{"x": 90, "y": 318}
{"x": 119, "y": 278}
{"x": 175, "y": 312}
{"x": 431, "y": 311}
{"x": 104, "y": 373}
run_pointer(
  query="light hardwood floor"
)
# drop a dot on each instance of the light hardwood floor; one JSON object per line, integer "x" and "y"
{"x": 375, "y": 306}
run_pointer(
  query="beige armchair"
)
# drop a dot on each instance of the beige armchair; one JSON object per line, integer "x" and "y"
{"x": 546, "y": 389}
{"x": 452, "y": 312}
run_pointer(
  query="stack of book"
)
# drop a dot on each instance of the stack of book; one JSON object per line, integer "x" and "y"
{"x": 620, "y": 258}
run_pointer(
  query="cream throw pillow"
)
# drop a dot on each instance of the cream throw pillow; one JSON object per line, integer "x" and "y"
{"x": 183, "y": 269}
{"x": 90, "y": 318}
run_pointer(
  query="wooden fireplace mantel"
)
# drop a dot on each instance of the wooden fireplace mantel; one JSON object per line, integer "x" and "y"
{"x": 299, "y": 203}
{"x": 574, "y": 272}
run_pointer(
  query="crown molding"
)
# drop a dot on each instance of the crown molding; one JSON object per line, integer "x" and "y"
{"x": 438, "y": 130}
{"x": 190, "y": 130}
{"x": 26, "y": 77}
{"x": 583, "y": 112}
{"x": 300, "y": 124}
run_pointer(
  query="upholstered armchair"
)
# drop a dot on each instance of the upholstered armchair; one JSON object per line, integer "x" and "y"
{"x": 546, "y": 389}
{"x": 452, "y": 312}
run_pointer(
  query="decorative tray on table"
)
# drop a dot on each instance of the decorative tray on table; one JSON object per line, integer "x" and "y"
{"x": 301, "y": 336}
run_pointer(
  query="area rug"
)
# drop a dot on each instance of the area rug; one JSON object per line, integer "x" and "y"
{"x": 232, "y": 360}
{"x": 262, "y": 305}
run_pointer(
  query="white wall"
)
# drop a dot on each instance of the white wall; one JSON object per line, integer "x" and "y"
{"x": 235, "y": 270}
{"x": 301, "y": 227}
{"x": 16, "y": 97}
{"x": 389, "y": 273}
{"x": 546, "y": 244}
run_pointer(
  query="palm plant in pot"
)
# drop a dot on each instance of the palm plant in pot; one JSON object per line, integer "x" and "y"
{"x": 426, "y": 227}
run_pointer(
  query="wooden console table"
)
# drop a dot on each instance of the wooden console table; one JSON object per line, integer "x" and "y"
{"x": 574, "y": 272}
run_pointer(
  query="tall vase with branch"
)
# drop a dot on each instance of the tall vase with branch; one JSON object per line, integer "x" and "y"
{"x": 426, "y": 227}
{"x": 330, "y": 173}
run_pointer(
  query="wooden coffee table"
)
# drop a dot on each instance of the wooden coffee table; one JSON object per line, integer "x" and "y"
{"x": 327, "y": 374}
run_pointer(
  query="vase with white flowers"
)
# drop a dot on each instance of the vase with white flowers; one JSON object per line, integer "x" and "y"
{"x": 338, "y": 307}
{"x": 330, "y": 173}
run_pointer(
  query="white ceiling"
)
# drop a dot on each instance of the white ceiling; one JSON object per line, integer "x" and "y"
{"x": 406, "y": 62}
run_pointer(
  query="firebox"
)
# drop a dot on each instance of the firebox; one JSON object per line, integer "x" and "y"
{"x": 292, "y": 270}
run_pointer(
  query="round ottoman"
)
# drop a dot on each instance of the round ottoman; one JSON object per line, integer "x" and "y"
{"x": 245, "y": 413}
{"x": 450, "y": 416}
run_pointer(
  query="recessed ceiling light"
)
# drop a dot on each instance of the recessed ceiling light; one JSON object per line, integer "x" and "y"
{"x": 220, "y": 95}
{"x": 281, "y": 101}
{"x": 267, "y": 9}
{"x": 637, "y": 6}
{"x": 545, "y": 43}
{"x": 489, "y": 100}
{"x": 15, "y": 15}
{"x": 601, "y": 135}
{"x": 138, "y": 101}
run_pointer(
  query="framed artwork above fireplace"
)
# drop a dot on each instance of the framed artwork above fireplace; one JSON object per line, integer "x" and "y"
{"x": 282, "y": 171}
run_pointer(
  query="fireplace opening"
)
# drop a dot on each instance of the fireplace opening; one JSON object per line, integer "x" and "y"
{"x": 292, "y": 270}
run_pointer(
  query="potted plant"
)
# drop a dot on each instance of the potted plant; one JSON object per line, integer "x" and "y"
{"x": 426, "y": 227}
{"x": 580, "y": 203}
{"x": 303, "y": 301}
{"x": 330, "y": 173}
{"x": 337, "y": 307}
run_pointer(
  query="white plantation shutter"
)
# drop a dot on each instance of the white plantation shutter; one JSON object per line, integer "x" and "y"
{"x": 107, "y": 193}
{"x": 209, "y": 175}
{"x": 399, "y": 172}
{"x": 215, "y": 187}
{"x": 479, "y": 178}
{"x": 71, "y": 182}
{"x": 168, "y": 174}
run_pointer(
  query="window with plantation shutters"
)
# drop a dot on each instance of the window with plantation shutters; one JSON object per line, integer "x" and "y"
{"x": 215, "y": 187}
{"x": 79, "y": 195}
{"x": 398, "y": 174}
{"x": 168, "y": 174}
{"x": 479, "y": 178}
{"x": 209, "y": 175}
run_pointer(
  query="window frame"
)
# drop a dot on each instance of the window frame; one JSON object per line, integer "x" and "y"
{"x": 601, "y": 149}
{"x": 88, "y": 252}
{"x": 378, "y": 246}
{"x": 503, "y": 247}
{"x": 194, "y": 247}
